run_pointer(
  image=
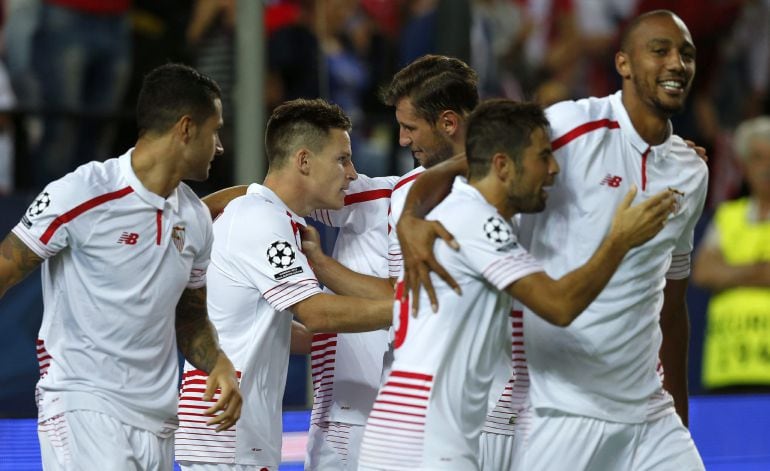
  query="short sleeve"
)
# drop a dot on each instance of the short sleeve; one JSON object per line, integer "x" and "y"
{"x": 202, "y": 258}
{"x": 267, "y": 255}
{"x": 680, "y": 258}
{"x": 490, "y": 247}
{"x": 44, "y": 226}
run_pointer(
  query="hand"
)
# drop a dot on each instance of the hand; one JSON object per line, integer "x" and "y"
{"x": 635, "y": 225}
{"x": 701, "y": 151}
{"x": 416, "y": 237}
{"x": 311, "y": 243}
{"x": 223, "y": 377}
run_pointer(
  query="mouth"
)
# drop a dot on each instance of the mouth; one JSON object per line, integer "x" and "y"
{"x": 673, "y": 86}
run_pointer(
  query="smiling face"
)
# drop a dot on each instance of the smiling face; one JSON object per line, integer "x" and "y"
{"x": 332, "y": 171}
{"x": 429, "y": 145}
{"x": 526, "y": 191}
{"x": 658, "y": 64}
{"x": 204, "y": 145}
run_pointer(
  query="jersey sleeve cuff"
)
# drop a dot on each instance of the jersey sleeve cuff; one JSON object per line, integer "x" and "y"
{"x": 502, "y": 272}
{"x": 680, "y": 267}
{"x": 32, "y": 242}
{"x": 285, "y": 295}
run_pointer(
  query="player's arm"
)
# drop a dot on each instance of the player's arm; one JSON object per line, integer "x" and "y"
{"x": 675, "y": 326}
{"x": 710, "y": 270}
{"x": 339, "y": 278}
{"x": 301, "y": 339}
{"x": 217, "y": 201}
{"x": 416, "y": 235}
{"x": 16, "y": 262}
{"x": 561, "y": 301}
{"x": 197, "y": 340}
{"x": 332, "y": 313}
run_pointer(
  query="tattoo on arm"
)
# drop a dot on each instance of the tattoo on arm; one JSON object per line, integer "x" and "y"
{"x": 16, "y": 261}
{"x": 195, "y": 335}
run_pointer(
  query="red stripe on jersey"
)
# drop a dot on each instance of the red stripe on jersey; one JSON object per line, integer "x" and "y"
{"x": 583, "y": 129}
{"x": 370, "y": 195}
{"x": 80, "y": 209}
{"x": 644, "y": 168}
{"x": 159, "y": 224}
{"x": 408, "y": 374}
{"x": 406, "y": 180}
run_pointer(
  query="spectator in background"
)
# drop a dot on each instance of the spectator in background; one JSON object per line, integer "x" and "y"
{"x": 210, "y": 37}
{"x": 734, "y": 262}
{"x": 82, "y": 60}
{"x": 7, "y": 105}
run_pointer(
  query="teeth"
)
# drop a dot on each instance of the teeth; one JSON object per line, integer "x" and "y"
{"x": 672, "y": 84}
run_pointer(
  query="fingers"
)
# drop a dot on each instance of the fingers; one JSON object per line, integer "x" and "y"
{"x": 629, "y": 198}
{"x": 309, "y": 233}
{"x": 229, "y": 403}
{"x": 446, "y": 236}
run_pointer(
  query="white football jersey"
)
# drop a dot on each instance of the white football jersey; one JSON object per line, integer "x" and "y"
{"x": 604, "y": 364}
{"x": 257, "y": 273}
{"x": 430, "y": 410}
{"x": 347, "y": 367}
{"x": 117, "y": 258}
{"x": 397, "y": 200}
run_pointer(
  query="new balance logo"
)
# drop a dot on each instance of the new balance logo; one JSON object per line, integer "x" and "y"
{"x": 612, "y": 180}
{"x": 128, "y": 238}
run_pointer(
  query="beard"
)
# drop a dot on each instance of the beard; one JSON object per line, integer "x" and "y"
{"x": 651, "y": 96}
{"x": 443, "y": 152}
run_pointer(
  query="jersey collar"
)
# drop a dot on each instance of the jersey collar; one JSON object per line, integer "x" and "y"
{"x": 616, "y": 100}
{"x": 151, "y": 198}
{"x": 268, "y": 194}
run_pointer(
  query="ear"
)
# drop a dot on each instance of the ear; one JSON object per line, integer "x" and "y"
{"x": 502, "y": 166}
{"x": 185, "y": 128}
{"x": 623, "y": 65}
{"x": 448, "y": 122}
{"x": 301, "y": 160}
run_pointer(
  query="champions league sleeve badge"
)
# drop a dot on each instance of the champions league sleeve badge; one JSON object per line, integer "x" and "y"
{"x": 38, "y": 207}
{"x": 499, "y": 233}
{"x": 281, "y": 255}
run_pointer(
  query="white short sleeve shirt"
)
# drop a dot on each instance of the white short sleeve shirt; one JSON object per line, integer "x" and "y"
{"x": 257, "y": 272}
{"x": 117, "y": 258}
{"x": 604, "y": 364}
{"x": 430, "y": 411}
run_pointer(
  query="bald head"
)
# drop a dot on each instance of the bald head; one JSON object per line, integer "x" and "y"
{"x": 628, "y": 34}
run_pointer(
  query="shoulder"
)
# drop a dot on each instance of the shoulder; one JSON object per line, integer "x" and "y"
{"x": 405, "y": 180}
{"x": 566, "y": 116}
{"x": 190, "y": 199}
{"x": 88, "y": 184}
{"x": 686, "y": 157}
{"x": 367, "y": 183}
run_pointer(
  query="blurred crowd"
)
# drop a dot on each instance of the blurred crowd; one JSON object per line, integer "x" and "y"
{"x": 71, "y": 68}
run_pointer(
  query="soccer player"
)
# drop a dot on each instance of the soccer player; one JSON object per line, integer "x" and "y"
{"x": 431, "y": 408}
{"x": 597, "y": 400}
{"x": 260, "y": 278}
{"x": 124, "y": 247}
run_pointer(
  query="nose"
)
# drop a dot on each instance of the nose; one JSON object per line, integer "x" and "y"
{"x": 218, "y": 148}
{"x": 553, "y": 166}
{"x": 403, "y": 138}
{"x": 675, "y": 61}
{"x": 351, "y": 173}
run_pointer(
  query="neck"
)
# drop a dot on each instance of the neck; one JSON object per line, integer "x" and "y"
{"x": 155, "y": 165}
{"x": 649, "y": 123}
{"x": 490, "y": 188}
{"x": 289, "y": 191}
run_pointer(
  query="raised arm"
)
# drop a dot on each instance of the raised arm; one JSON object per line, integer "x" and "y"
{"x": 416, "y": 236}
{"x": 561, "y": 301}
{"x": 217, "y": 201}
{"x": 16, "y": 262}
{"x": 339, "y": 278}
{"x": 197, "y": 340}
{"x": 332, "y": 313}
{"x": 675, "y": 326}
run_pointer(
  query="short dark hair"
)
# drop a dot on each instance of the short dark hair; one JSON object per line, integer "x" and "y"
{"x": 633, "y": 25}
{"x": 298, "y": 123}
{"x": 172, "y": 91}
{"x": 434, "y": 84}
{"x": 500, "y": 126}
